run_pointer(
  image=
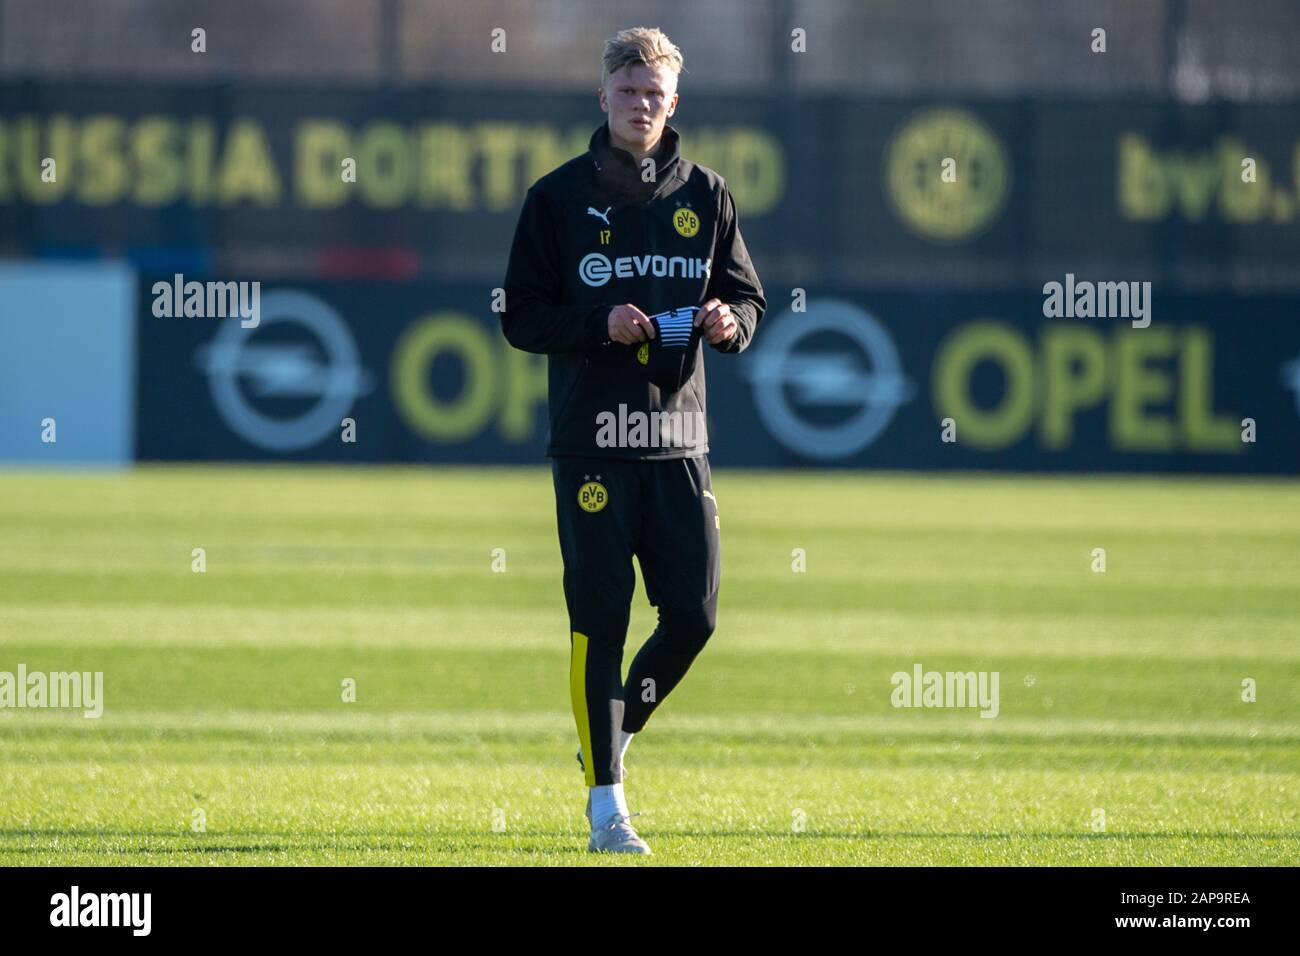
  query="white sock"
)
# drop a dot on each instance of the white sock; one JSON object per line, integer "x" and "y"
{"x": 607, "y": 802}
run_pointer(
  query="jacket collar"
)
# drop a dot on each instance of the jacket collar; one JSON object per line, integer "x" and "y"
{"x": 619, "y": 172}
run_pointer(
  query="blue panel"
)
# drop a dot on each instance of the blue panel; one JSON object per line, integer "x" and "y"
{"x": 67, "y": 353}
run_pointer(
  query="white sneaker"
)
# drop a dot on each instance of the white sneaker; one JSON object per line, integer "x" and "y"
{"x": 617, "y": 836}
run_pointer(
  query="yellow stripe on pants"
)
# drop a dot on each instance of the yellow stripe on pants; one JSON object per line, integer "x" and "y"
{"x": 578, "y": 698}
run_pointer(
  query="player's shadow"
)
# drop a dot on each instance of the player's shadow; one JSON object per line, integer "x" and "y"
{"x": 466, "y": 841}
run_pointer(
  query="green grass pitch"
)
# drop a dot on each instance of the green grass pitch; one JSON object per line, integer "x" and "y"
{"x": 1122, "y": 736}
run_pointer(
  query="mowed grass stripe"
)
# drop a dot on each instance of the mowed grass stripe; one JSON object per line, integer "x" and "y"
{"x": 1175, "y": 634}
{"x": 733, "y": 679}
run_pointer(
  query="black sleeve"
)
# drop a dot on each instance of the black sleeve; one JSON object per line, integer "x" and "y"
{"x": 732, "y": 277}
{"x": 534, "y": 319}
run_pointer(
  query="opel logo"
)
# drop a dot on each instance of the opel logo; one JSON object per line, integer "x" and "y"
{"x": 241, "y": 373}
{"x": 789, "y": 382}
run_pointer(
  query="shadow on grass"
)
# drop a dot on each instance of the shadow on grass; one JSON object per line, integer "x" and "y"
{"x": 473, "y": 839}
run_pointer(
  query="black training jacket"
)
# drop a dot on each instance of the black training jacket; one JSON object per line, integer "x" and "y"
{"x": 593, "y": 235}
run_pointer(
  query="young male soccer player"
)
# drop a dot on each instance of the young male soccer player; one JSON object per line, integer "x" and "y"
{"x": 623, "y": 260}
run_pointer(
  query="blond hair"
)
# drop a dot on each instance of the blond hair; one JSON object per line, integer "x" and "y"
{"x": 648, "y": 45}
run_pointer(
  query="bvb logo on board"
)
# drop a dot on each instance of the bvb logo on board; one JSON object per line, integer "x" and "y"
{"x": 914, "y": 163}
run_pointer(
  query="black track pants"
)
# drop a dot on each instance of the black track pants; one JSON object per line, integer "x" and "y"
{"x": 608, "y": 510}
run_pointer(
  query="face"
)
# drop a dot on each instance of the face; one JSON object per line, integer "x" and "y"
{"x": 639, "y": 99}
